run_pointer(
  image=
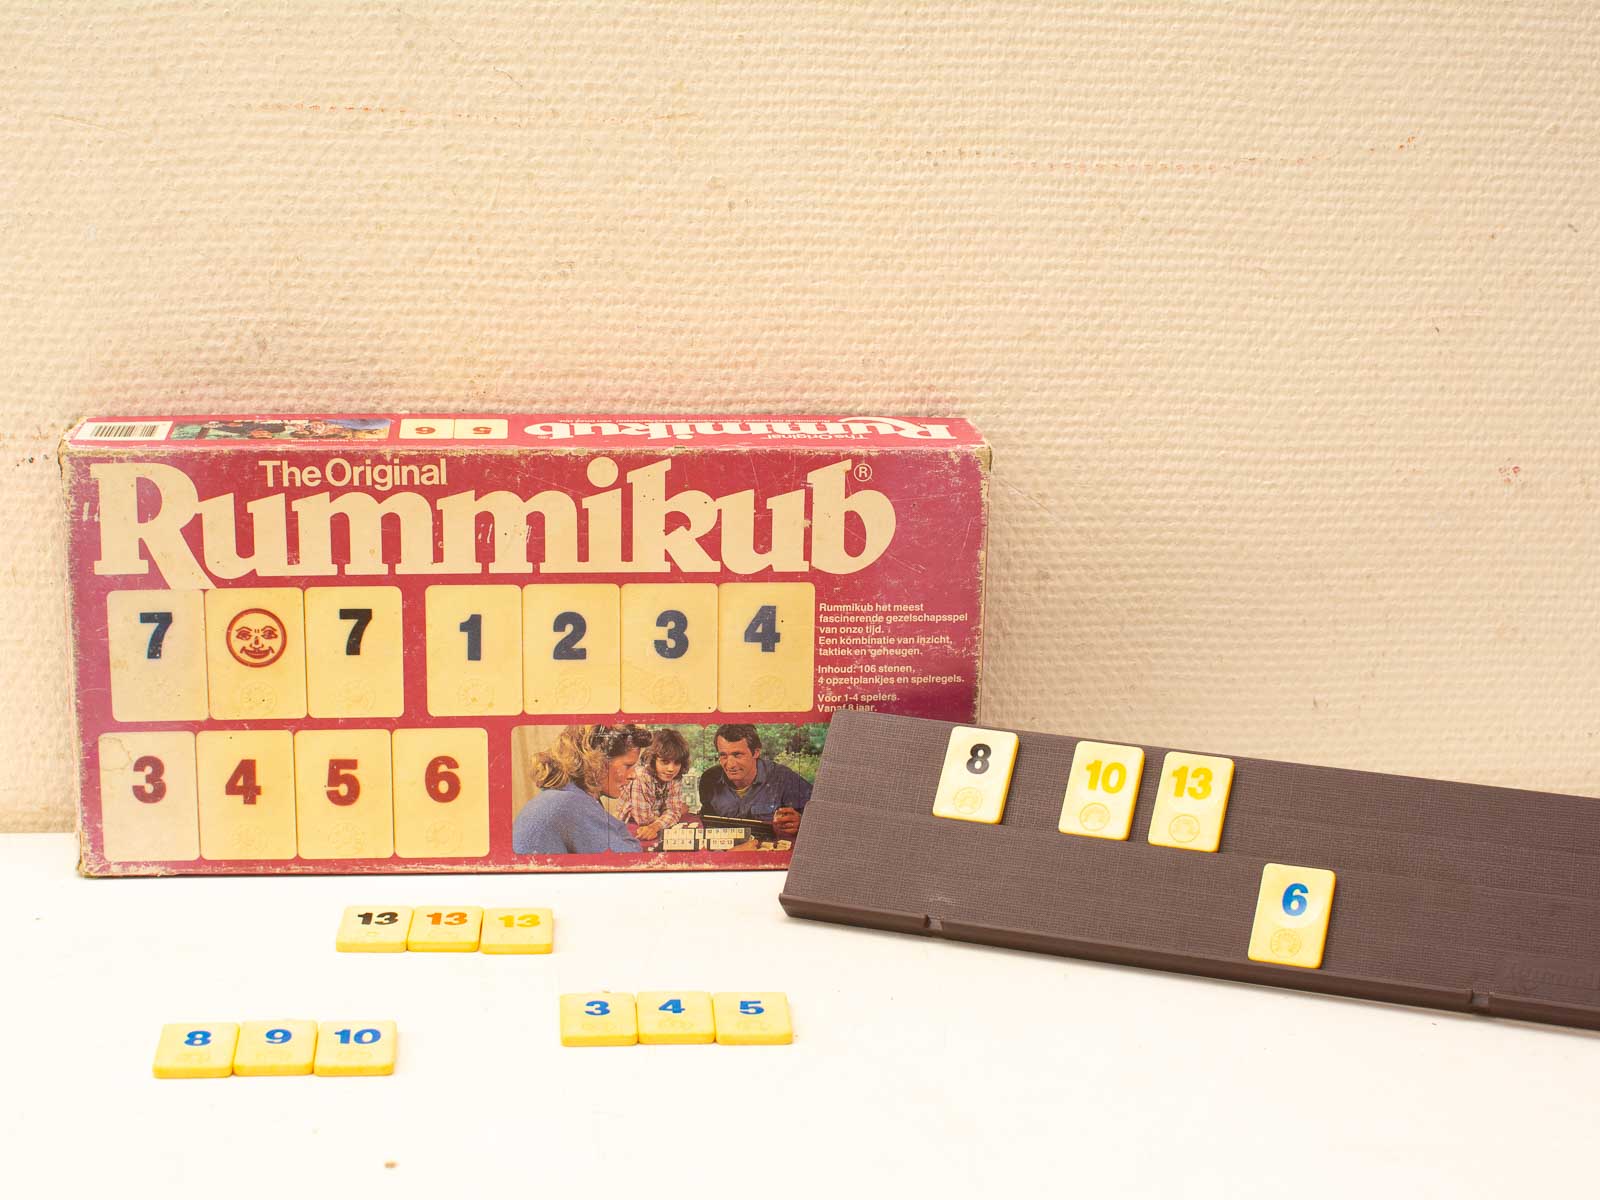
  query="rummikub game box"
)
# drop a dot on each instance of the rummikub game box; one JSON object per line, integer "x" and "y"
{"x": 392, "y": 643}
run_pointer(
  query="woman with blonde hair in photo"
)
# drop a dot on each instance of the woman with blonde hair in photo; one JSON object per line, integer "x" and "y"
{"x": 652, "y": 799}
{"x": 567, "y": 814}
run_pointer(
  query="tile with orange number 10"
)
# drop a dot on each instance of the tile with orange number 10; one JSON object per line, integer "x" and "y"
{"x": 446, "y": 929}
{"x": 518, "y": 931}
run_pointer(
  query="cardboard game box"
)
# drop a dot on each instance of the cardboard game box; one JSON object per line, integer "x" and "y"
{"x": 397, "y": 643}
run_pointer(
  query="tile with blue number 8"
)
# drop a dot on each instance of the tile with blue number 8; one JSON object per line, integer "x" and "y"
{"x": 598, "y": 1019}
{"x": 752, "y": 1019}
{"x": 276, "y": 1048}
{"x": 676, "y": 1019}
{"x": 199, "y": 1050}
{"x": 356, "y": 1048}
{"x": 976, "y": 775}
{"x": 1292, "y": 911}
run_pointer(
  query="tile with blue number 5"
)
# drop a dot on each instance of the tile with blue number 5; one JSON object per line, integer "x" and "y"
{"x": 752, "y": 1019}
{"x": 276, "y": 1048}
{"x": 598, "y": 1019}
{"x": 356, "y": 1048}
{"x": 976, "y": 775}
{"x": 675, "y": 1019}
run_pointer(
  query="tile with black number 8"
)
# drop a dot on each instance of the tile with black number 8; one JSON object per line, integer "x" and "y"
{"x": 976, "y": 775}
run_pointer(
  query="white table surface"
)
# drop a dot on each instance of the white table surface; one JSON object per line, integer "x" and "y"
{"x": 924, "y": 1066}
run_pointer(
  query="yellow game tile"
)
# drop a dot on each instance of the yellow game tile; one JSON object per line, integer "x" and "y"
{"x": 356, "y": 1048}
{"x": 1292, "y": 910}
{"x": 1191, "y": 801}
{"x": 355, "y": 664}
{"x": 598, "y": 1019}
{"x": 1102, "y": 788}
{"x": 768, "y": 646}
{"x": 157, "y": 644}
{"x": 976, "y": 775}
{"x": 752, "y": 1019}
{"x": 245, "y": 782}
{"x": 275, "y": 1048}
{"x": 343, "y": 801}
{"x": 201, "y": 1050}
{"x": 675, "y": 1018}
{"x": 571, "y": 648}
{"x": 669, "y": 647}
{"x": 446, "y": 929}
{"x": 518, "y": 931}
{"x": 256, "y": 653}
{"x": 374, "y": 929}
{"x": 474, "y": 635}
{"x": 441, "y": 793}
{"x": 148, "y": 810}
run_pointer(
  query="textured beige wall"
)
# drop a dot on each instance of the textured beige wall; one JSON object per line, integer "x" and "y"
{"x": 1282, "y": 321}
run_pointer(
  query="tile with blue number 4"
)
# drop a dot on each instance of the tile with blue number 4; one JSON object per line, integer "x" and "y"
{"x": 518, "y": 931}
{"x": 976, "y": 775}
{"x": 675, "y": 1019}
{"x": 356, "y": 1048}
{"x": 752, "y": 1019}
{"x": 598, "y": 1019}
{"x": 1292, "y": 910}
{"x": 198, "y": 1050}
{"x": 374, "y": 929}
{"x": 276, "y": 1048}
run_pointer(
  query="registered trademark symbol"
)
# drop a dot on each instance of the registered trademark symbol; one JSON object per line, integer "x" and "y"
{"x": 863, "y": 472}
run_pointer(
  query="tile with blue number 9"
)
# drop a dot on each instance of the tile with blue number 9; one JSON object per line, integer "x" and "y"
{"x": 675, "y": 1019}
{"x": 767, "y": 646}
{"x": 276, "y": 1048}
{"x": 1102, "y": 789}
{"x": 1292, "y": 910}
{"x": 571, "y": 655}
{"x": 752, "y": 1019}
{"x": 200, "y": 1050}
{"x": 374, "y": 929}
{"x": 598, "y": 1019}
{"x": 976, "y": 776}
{"x": 356, "y": 1048}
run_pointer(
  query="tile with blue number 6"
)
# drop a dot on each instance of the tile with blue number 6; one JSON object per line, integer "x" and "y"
{"x": 1292, "y": 910}
{"x": 768, "y": 646}
{"x": 275, "y": 1048}
{"x": 571, "y": 655}
{"x": 752, "y": 1019}
{"x": 199, "y": 1050}
{"x": 1191, "y": 801}
{"x": 356, "y": 1048}
{"x": 518, "y": 931}
{"x": 669, "y": 647}
{"x": 1102, "y": 788}
{"x": 598, "y": 1019}
{"x": 374, "y": 929}
{"x": 256, "y": 653}
{"x": 157, "y": 642}
{"x": 675, "y": 1019}
{"x": 474, "y": 637}
{"x": 976, "y": 775}
{"x": 355, "y": 664}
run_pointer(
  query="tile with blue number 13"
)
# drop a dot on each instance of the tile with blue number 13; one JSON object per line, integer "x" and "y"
{"x": 675, "y": 1019}
{"x": 976, "y": 775}
{"x": 598, "y": 1019}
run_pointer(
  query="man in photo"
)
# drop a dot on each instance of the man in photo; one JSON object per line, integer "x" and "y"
{"x": 744, "y": 784}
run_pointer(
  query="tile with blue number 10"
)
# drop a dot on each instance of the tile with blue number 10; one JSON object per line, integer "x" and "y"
{"x": 256, "y": 653}
{"x": 669, "y": 647}
{"x": 1102, "y": 788}
{"x": 199, "y": 1050}
{"x": 356, "y": 1048}
{"x": 474, "y": 636}
{"x": 768, "y": 644}
{"x": 1292, "y": 910}
{"x": 355, "y": 665}
{"x": 276, "y": 1048}
{"x": 571, "y": 656}
{"x": 598, "y": 1019}
{"x": 157, "y": 642}
{"x": 976, "y": 776}
{"x": 675, "y": 1019}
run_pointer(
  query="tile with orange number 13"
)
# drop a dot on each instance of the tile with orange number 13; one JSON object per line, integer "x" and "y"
{"x": 446, "y": 929}
{"x": 518, "y": 931}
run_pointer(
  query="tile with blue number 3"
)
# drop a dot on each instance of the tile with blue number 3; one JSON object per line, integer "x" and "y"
{"x": 598, "y": 1019}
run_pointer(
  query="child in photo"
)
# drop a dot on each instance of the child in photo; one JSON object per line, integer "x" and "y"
{"x": 653, "y": 797}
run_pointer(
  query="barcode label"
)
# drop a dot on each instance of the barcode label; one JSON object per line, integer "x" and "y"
{"x": 125, "y": 431}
